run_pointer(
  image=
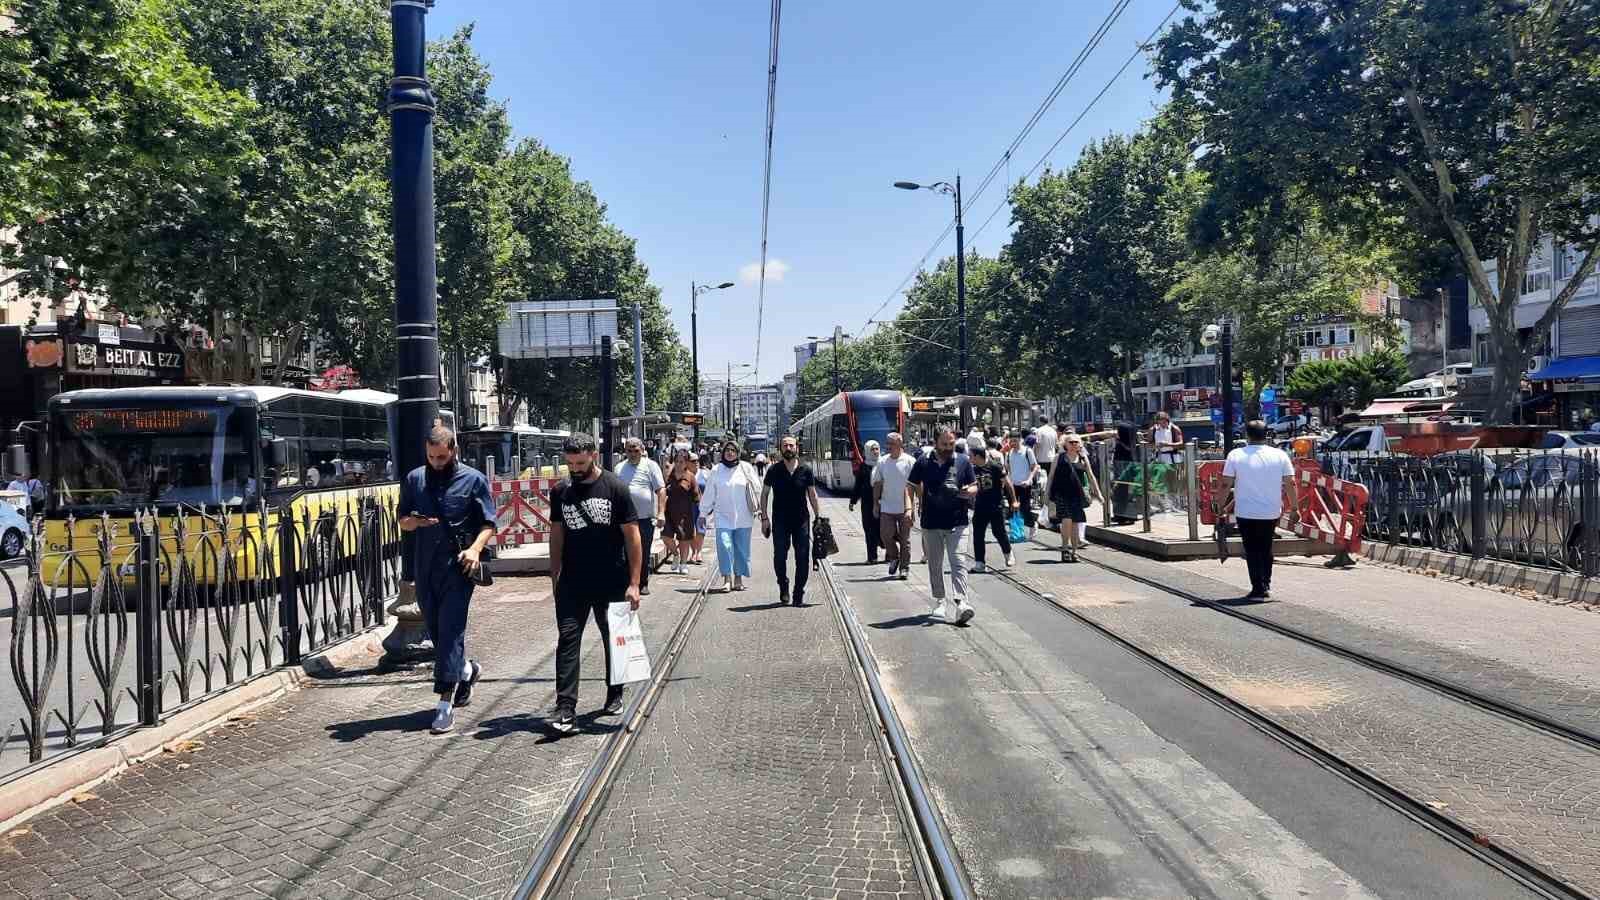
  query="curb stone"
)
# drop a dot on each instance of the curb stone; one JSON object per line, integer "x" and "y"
{"x": 58, "y": 782}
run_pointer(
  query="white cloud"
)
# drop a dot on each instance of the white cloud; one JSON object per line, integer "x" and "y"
{"x": 776, "y": 269}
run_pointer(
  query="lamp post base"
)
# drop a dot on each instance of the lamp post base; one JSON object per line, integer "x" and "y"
{"x": 408, "y": 643}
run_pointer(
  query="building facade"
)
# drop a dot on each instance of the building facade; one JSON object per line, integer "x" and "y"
{"x": 758, "y": 409}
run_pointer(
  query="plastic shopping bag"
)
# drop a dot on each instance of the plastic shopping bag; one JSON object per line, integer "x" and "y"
{"x": 1016, "y": 529}
{"x": 629, "y": 660}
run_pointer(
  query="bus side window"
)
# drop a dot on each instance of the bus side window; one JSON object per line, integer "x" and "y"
{"x": 841, "y": 437}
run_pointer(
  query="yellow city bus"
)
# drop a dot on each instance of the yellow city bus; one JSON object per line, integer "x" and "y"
{"x": 207, "y": 463}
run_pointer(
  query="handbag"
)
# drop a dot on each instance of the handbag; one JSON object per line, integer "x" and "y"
{"x": 462, "y": 538}
{"x": 1016, "y": 529}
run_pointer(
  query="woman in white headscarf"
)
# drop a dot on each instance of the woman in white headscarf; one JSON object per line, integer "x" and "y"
{"x": 862, "y": 494}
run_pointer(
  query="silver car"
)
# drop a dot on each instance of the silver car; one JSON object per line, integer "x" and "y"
{"x": 14, "y": 527}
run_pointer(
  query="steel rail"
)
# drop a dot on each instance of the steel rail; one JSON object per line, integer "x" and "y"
{"x": 1503, "y": 859}
{"x": 949, "y": 874}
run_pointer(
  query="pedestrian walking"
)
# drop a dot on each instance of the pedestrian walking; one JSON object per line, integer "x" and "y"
{"x": 648, "y": 487}
{"x": 975, "y": 437}
{"x": 1021, "y": 467}
{"x": 596, "y": 559}
{"x": 446, "y": 505}
{"x": 32, "y": 491}
{"x": 729, "y": 503}
{"x": 892, "y": 496}
{"x": 761, "y": 465}
{"x": 791, "y": 486}
{"x": 861, "y": 494}
{"x": 1259, "y": 478}
{"x": 683, "y": 498}
{"x": 992, "y": 507}
{"x": 1166, "y": 440}
{"x": 1044, "y": 447}
{"x": 945, "y": 485}
{"x": 1072, "y": 482}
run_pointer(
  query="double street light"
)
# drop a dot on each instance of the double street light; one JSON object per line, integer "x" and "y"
{"x": 954, "y": 190}
{"x": 834, "y": 340}
{"x": 695, "y": 290}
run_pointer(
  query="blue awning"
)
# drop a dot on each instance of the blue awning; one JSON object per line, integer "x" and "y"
{"x": 1584, "y": 367}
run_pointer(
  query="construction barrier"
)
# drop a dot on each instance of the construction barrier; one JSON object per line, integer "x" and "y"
{"x": 522, "y": 511}
{"x": 1332, "y": 511}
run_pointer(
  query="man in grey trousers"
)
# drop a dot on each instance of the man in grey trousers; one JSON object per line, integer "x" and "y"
{"x": 945, "y": 484}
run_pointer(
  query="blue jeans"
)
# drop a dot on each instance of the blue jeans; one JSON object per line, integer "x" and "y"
{"x": 733, "y": 552}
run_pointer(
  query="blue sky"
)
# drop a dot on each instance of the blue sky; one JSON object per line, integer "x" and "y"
{"x": 662, "y": 107}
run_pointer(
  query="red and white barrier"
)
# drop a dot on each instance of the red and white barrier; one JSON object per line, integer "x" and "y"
{"x": 1332, "y": 511}
{"x": 522, "y": 511}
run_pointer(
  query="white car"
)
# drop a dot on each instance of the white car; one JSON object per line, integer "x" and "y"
{"x": 1554, "y": 440}
{"x": 14, "y": 527}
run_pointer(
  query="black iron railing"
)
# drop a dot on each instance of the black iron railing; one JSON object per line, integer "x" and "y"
{"x": 148, "y": 615}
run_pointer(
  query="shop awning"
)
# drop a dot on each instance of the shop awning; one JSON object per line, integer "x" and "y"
{"x": 1381, "y": 408}
{"x": 1568, "y": 367}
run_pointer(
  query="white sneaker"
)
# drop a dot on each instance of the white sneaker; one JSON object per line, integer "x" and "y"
{"x": 963, "y": 613}
{"x": 978, "y": 568}
{"x": 1011, "y": 560}
{"x": 1031, "y": 530}
{"x": 936, "y": 606}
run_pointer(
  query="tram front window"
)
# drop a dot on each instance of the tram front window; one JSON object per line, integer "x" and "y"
{"x": 873, "y": 423}
{"x": 111, "y": 458}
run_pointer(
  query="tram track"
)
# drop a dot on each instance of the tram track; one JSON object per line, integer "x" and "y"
{"x": 938, "y": 866}
{"x": 1503, "y": 858}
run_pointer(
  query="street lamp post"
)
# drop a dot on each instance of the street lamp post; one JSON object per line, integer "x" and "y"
{"x": 695, "y": 290}
{"x": 834, "y": 340}
{"x": 410, "y": 107}
{"x": 944, "y": 187}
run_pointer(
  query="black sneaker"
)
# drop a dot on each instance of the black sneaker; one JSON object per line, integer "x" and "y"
{"x": 464, "y": 688}
{"x": 564, "y": 720}
{"x": 783, "y": 594}
{"x": 893, "y": 564}
{"x": 799, "y": 598}
{"x": 613, "y": 702}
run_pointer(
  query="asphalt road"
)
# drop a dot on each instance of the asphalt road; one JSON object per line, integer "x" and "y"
{"x": 1066, "y": 767}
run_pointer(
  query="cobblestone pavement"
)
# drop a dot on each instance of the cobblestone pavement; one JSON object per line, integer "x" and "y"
{"x": 1534, "y": 794}
{"x": 1537, "y": 655}
{"x": 338, "y": 790}
{"x": 757, "y": 775}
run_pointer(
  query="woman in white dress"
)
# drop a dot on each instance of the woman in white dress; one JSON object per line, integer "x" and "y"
{"x": 728, "y": 505}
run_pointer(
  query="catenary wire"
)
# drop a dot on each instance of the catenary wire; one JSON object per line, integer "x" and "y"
{"x": 766, "y": 172}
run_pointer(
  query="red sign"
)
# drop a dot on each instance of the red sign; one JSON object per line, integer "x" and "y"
{"x": 336, "y": 378}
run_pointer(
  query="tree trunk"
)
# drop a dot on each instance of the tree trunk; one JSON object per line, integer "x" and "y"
{"x": 291, "y": 346}
{"x": 1511, "y": 360}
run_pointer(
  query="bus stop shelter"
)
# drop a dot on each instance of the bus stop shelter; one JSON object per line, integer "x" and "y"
{"x": 963, "y": 412}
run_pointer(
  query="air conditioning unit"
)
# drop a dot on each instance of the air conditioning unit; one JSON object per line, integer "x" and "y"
{"x": 1537, "y": 362}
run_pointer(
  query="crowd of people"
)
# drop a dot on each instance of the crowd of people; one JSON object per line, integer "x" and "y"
{"x": 603, "y": 524}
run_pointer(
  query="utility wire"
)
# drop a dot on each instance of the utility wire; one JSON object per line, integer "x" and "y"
{"x": 1044, "y": 105}
{"x": 766, "y": 173}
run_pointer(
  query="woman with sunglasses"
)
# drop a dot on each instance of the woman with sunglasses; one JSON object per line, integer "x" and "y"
{"x": 729, "y": 503}
{"x": 1071, "y": 484}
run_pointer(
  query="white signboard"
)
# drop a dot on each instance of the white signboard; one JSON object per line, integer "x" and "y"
{"x": 557, "y": 329}
{"x": 110, "y": 336}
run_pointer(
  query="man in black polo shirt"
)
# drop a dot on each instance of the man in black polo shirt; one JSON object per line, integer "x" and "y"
{"x": 946, "y": 485}
{"x": 792, "y": 487}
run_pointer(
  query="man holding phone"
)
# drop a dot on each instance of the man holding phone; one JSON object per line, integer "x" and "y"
{"x": 446, "y": 505}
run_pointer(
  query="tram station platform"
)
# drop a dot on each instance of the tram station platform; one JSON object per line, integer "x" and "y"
{"x": 1168, "y": 538}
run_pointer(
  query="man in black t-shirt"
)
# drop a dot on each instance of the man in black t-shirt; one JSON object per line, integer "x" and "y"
{"x": 993, "y": 507}
{"x": 595, "y": 561}
{"x": 792, "y": 486}
{"x": 945, "y": 484}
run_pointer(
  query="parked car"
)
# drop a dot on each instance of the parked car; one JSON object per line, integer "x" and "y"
{"x": 14, "y": 527}
{"x": 1532, "y": 505}
{"x": 1558, "y": 439}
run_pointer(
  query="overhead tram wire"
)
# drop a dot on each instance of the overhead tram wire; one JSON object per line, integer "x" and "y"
{"x": 1001, "y": 164}
{"x": 1140, "y": 48}
{"x": 766, "y": 172}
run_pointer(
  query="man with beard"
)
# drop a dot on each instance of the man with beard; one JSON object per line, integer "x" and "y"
{"x": 945, "y": 485}
{"x": 792, "y": 486}
{"x": 595, "y": 560}
{"x": 447, "y": 506}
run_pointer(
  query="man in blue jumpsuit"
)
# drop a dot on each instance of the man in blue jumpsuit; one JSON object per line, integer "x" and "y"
{"x": 447, "y": 505}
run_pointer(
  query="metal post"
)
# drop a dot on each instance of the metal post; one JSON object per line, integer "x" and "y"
{"x": 411, "y": 106}
{"x": 1144, "y": 484}
{"x": 147, "y": 625}
{"x": 638, "y": 359}
{"x": 288, "y": 589}
{"x": 1107, "y": 482}
{"x": 961, "y": 291}
{"x": 1189, "y": 490}
{"x": 1480, "y": 513}
{"x": 1589, "y": 506}
{"x": 1227, "y": 387}
{"x": 694, "y": 347}
{"x": 606, "y": 376}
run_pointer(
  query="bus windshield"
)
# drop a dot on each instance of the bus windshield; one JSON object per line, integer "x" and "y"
{"x": 110, "y": 458}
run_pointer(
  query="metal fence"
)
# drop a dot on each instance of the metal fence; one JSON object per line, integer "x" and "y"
{"x": 154, "y": 614}
{"x": 1536, "y": 507}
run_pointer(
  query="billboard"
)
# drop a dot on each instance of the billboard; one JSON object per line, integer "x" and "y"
{"x": 557, "y": 329}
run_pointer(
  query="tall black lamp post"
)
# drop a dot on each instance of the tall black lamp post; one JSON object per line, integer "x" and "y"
{"x": 695, "y": 290}
{"x": 834, "y": 340}
{"x": 945, "y": 187}
{"x": 410, "y": 105}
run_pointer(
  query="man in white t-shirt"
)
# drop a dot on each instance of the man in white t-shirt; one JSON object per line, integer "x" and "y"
{"x": 648, "y": 488}
{"x": 1021, "y": 467}
{"x": 891, "y": 492}
{"x": 1258, "y": 478}
{"x": 1044, "y": 449}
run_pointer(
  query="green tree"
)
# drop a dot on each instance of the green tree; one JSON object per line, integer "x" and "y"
{"x": 1474, "y": 124}
{"x": 1318, "y": 383}
{"x": 1372, "y": 375}
{"x": 110, "y": 130}
{"x": 926, "y": 330}
{"x": 872, "y": 363}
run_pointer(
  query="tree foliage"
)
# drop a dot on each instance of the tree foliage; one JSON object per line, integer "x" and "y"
{"x": 872, "y": 363}
{"x": 1472, "y": 124}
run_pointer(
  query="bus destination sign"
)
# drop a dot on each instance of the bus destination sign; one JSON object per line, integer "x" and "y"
{"x": 142, "y": 421}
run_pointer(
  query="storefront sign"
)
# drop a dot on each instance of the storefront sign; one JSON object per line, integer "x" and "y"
{"x": 159, "y": 362}
{"x": 43, "y": 354}
{"x": 1575, "y": 387}
{"x": 1313, "y": 353}
{"x": 109, "y": 335}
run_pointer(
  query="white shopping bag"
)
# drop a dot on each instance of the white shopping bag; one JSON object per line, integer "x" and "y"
{"x": 629, "y": 660}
